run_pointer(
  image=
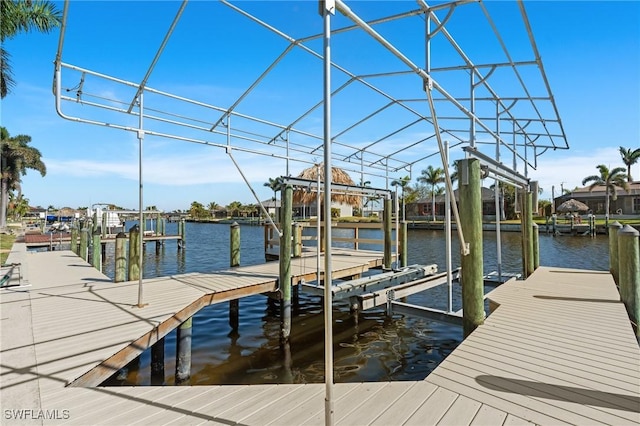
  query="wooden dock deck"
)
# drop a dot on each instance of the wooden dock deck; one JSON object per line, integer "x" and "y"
{"x": 559, "y": 349}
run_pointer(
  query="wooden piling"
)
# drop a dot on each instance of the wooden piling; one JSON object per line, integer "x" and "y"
{"x": 629, "y": 270}
{"x": 234, "y": 261}
{"x": 157, "y": 363}
{"x": 104, "y": 224}
{"x": 403, "y": 243}
{"x": 134, "y": 253}
{"x": 74, "y": 238}
{"x": 535, "y": 244}
{"x": 96, "y": 252}
{"x": 183, "y": 351}
{"x": 471, "y": 221}
{"x": 297, "y": 240}
{"x": 387, "y": 233}
{"x": 527, "y": 230}
{"x": 285, "y": 262}
{"x": 234, "y": 245}
{"x": 554, "y": 223}
{"x": 614, "y": 265}
{"x": 121, "y": 258}
{"x": 84, "y": 240}
{"x": 182, "y": 242}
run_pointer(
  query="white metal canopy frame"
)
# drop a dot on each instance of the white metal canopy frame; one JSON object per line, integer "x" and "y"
{"x": 401, "y": 83}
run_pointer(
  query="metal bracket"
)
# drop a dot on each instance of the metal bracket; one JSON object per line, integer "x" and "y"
{"x": 391, "y": 295}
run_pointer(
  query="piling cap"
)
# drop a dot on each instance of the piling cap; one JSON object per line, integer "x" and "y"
{"x": 121, "y": 235}
{"x": 628, "y": 230}
{"x": 235, "y": 224}
{"x": 615, "y": 224}
{"x": 134, "y": 228}
{"x": 535, "y": 225}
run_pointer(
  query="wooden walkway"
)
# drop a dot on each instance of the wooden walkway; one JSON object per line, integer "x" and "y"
{"x": 559, "y": 349}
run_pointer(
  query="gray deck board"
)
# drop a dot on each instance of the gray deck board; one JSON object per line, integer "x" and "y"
{"x": 559, "y": 349}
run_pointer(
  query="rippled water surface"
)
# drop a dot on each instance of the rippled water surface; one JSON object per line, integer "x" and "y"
{"x": 369, "y": 347}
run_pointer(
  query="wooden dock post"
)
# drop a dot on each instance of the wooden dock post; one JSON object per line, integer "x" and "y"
{"x": 629, "y": 270}
{"x": 182, "y": 241}
{"x": 527, "y": 228}
{"x": 121, "y": 258}
{"x": 234, "y": 251}
{"x": 157, "y": 363}
{"x": 535, "y": 243}
{"x": 134, "y": 253}
{"x": 387, "y": 233}
{"x": 74, "y": 238}
{"x": 104, "y": 224}
{"x": 614, "y": 264}
{"x": 471, "y": 221}
{"x": 183, "y": 351}
{"x": 84, "y": 240}
{"x": 96, "y": 252}
{"x": 403, "y": 243}
{"x": 285, "y": 262}
{"x": 297, "y": 240}
{"x": 554, "y": 223}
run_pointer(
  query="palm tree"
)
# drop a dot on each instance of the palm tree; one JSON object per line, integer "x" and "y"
{"x": 432, "y": 177}
{"x": 22, "y": 16}
{"x": 610, "y": 179}
{"x": 629, "y": 158}
{"x": 275, "y": 185}
{"x": 402, "y": 183}
{"x": 16, "y": 157}
{"x": 212, "y": 207}
{"x": 234, "y": 208}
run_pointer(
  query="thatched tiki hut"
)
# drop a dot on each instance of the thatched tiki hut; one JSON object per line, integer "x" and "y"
{"x": 339, "y": 198}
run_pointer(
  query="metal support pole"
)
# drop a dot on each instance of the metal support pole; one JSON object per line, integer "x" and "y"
{"x": 447, "y": 231}
{"x": 140, "y": 198}
{"x": 327, "y": 11}
{"x": 472, "y": 274}
{"x": 285, "y": 262}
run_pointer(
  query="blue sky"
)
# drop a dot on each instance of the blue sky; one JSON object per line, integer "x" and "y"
{"x": 590, "y": 52}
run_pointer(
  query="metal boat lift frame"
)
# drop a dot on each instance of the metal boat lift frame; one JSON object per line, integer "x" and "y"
{"x": 524, "y": 140}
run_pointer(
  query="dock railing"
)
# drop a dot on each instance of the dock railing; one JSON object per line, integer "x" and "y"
{"x": 272, "y": 241}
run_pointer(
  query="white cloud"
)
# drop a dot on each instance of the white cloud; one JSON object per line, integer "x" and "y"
{"x": 173, "y": 170}
{"x": 569, "y": 170}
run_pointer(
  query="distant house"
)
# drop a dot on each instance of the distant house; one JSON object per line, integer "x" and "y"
{"x": 422, "y": 208}
{"x": 305, "y": 210}
{"x": 628, "y": 202}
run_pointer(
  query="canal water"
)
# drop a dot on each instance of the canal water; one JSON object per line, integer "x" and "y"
{"x": 371, "y": 347}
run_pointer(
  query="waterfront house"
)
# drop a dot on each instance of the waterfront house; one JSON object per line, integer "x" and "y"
{"x": 627, "y": 202}
{"x": 421, "y": 209}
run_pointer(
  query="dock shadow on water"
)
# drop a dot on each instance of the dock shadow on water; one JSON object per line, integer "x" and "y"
{"x": 368, "y": 347}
